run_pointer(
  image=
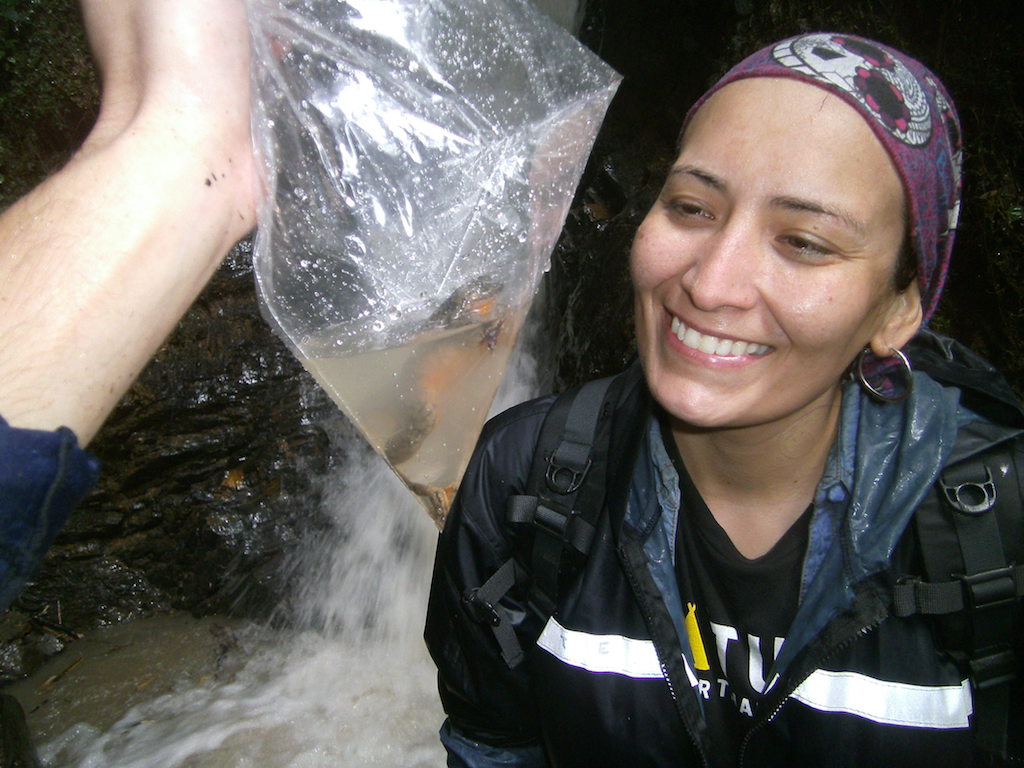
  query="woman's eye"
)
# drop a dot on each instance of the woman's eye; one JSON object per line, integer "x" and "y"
{"x": 690, "y": 209}
{"x": 807, "y": 249}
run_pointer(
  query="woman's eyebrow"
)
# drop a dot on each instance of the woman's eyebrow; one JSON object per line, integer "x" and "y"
{"x": 788, "y": 202}
{"x": 800, "y": 204}
{"x": 700, "y": 174}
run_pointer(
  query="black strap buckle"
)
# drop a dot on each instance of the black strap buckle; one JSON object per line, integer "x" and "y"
{"x": 992, "y": 597}
{"x": 480, "y": 610}
{"x": 994, "y": 668}
{"x": 551, "y": 520}
{"x": 993, "y": 588}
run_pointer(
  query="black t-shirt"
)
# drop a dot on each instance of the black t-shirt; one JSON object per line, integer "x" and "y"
{"x": 738, "y": 610}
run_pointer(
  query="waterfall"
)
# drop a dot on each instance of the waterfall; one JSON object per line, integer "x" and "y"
{"x": 348, "y": 680}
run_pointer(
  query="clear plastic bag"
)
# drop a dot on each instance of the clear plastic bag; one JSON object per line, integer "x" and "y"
{"x": 419, "y": 159}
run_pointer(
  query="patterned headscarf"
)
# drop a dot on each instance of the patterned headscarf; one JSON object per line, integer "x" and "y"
{"x": 910, "y": 113}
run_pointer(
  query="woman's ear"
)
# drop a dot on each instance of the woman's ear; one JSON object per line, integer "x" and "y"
{"x": 902, "y": 321}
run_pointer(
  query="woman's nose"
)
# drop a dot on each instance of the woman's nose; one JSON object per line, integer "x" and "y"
{"x": 723, "y": 273}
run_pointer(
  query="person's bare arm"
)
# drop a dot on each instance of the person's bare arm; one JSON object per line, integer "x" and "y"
{"x": 99, "y": 262}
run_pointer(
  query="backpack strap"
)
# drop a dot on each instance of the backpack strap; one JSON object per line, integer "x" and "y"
{"x": 564, "y": 495}
{"x": 565, "y": 489}
{"x": 971, "y": 582}
{"x": 480, "y": 604}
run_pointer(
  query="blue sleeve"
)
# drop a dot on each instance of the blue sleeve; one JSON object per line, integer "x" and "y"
{"x": 464, "y": 752}
{"x": 43, "y": 475}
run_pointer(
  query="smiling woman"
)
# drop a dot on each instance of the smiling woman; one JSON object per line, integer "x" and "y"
{"x": 763, "y": 268}
{"x": 766, "y": 456}
{"x": 767, "y": 233}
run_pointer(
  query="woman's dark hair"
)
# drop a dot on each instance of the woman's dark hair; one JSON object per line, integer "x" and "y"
{"x": 906, "y": 260}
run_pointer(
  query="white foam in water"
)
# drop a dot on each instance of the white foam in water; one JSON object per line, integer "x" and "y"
{"x": 354, "y": 688}
{"x": 358, "y": 690}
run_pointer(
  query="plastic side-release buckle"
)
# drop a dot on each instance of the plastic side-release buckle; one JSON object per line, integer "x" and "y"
{"x": 479, "y": 609}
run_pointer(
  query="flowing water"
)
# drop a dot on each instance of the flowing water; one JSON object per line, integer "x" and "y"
{"x": 354, "y": 688}
{"x": 348, "y": 684}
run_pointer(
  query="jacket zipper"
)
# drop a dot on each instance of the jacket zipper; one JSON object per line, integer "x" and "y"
{"x": 649, "y": 619}
{"x": 860, "y": 632}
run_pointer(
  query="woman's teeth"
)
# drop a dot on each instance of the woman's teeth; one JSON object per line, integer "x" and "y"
{"x": 713, "y": 345}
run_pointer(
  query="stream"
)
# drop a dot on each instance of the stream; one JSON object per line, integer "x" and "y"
{"x": 355, "y": 687}
{"x": 339, "y": 677}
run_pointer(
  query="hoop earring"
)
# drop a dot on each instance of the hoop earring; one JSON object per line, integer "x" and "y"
{"x": 877, "y": 393}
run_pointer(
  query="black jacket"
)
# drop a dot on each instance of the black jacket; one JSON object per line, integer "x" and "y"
{"x": 613, "y": 685}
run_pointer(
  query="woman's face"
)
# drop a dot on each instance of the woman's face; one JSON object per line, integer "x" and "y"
{"x": 767, "y": 261}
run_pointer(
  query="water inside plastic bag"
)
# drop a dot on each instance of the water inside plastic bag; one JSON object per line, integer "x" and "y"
{"x": 419, "y": 157}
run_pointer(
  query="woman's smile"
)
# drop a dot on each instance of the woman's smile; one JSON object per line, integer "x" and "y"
{"x": 716, "y": 345}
